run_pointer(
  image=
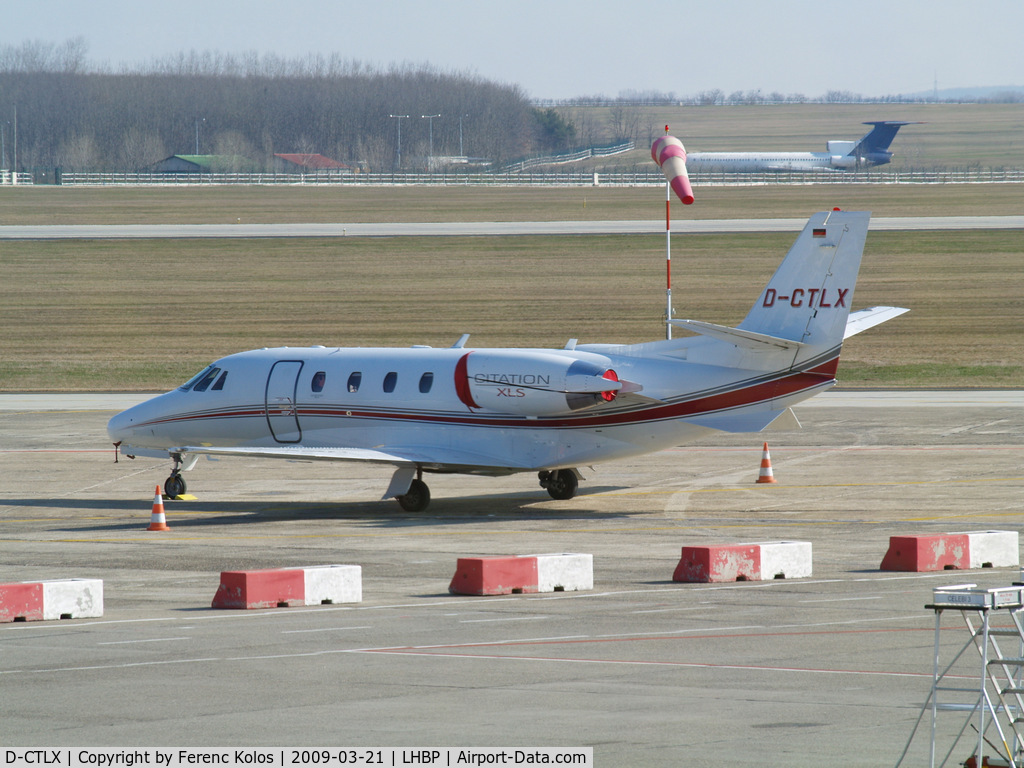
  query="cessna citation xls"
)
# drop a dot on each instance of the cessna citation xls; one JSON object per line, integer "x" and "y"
{"x": 504, "y": 411}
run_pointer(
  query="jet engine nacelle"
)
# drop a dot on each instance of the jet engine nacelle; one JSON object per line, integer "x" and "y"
{"x": 843, "y": 161}
{"x": 532, "y": 383}
{"x": 840, "y": 147}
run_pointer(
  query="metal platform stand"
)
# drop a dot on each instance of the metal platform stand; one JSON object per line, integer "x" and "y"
{"x": 994, "y": 706}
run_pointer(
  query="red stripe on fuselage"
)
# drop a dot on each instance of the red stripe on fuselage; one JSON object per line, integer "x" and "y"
{"x": 741, "y": 396}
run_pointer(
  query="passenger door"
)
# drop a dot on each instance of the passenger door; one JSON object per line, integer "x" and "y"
{"x": 281, "y": 407}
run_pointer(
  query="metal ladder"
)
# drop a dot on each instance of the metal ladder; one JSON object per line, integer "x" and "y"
{"x": 996, "y": 702}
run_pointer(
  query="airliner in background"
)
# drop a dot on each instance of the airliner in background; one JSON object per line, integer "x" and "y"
{"x": 872, "y": 149}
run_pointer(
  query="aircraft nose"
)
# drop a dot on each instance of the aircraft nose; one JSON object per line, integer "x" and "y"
{"x": 119, "y": 428}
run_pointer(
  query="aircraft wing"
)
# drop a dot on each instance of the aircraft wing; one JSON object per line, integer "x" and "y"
{"x": 428, "y": 457}
{"x": 863, "y": 319}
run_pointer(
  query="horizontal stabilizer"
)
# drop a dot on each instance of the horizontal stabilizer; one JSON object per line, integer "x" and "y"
{"x": 747, "y": 421}
{"x": 863, "y": 319}
{"x": 748, "y": 339}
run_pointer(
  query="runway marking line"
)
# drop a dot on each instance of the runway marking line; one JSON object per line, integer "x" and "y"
{"x": 153, "y": 640}
{"x": 447, "y": 651}
{"x": 684, "y": 664}
{"x": 440, "y": 652}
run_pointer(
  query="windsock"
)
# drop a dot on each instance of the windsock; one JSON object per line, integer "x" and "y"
{"x": 669, "y": 154}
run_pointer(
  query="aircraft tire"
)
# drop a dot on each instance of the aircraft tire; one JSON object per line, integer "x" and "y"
{"x": 174, "y": 486}
{"x": 416, "y": 499}
{"x": 562, "y": 484}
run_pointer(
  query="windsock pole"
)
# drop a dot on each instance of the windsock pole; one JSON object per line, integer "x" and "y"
{"x": 668, "y": 256}
{"x": 670, "y": 155}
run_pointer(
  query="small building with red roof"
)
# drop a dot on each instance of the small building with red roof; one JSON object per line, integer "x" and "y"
{"x": 308, "y": 163}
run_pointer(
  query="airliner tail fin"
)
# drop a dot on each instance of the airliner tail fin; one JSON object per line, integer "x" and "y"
{"x": 873, "y": 148}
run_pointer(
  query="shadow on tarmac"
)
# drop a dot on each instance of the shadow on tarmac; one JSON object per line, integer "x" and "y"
{"x": 525, "y": 506}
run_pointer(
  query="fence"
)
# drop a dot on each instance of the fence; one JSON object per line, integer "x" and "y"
{"x": 10, "y": 179}
{"x": 572, "y": 157}
{"x": 546, "y": 178}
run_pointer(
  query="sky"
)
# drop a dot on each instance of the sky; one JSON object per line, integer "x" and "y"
{"x": 563, "y": 49}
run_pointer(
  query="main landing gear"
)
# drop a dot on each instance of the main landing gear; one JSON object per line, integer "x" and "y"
{"x": 417, "y": 498}
{"x": 561, "y": 484}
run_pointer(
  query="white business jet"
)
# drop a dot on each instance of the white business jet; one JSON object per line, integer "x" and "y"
{"x": 504, "y": 411}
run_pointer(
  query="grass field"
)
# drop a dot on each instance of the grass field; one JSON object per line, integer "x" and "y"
{"x": 144, "y": 315}
{"x": 274, "y": 204}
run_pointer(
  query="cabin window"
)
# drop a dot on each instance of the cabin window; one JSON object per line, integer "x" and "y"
{"x": 220, "y": 382}
{"x": 390, "y": 381}
{"x": 204, "y": 383}
{"x": 354, "y": 380}
{"x": 426, "y": 382}
{"x": 319, "y": 379}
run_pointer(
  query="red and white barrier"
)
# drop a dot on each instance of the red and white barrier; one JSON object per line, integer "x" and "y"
{"x": 994, "y": 549}
{"x": 51, "y": 600}
{"x": 952, "y": 551}
{"x": 745, "y": 562}
{"x": 522, "y": 574}
{"x": 565, "y": 572}
{"x": 280, "y": 587}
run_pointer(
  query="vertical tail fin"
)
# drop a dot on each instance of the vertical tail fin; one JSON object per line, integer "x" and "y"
{"x": 873, "y": 148}
{"x": 809, "y": 297}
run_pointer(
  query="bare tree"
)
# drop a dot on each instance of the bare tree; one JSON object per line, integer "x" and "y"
{"x": 140, "y": 149}
{"x": 248, "y": 105}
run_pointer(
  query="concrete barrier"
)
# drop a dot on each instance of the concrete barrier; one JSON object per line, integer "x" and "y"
{"x": 994, "y": 549}
{"x": 745, "y": 562}
{"x": 522, "y": 574}
{"x": 952, "y": 551}
{"x": 565, "y": 572}
{"x": 51, "y": 600}
{"x": 282, "y": 587}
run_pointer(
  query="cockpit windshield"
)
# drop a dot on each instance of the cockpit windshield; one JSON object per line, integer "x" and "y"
{"x": 202, "y": 380}
{"x": 191, "y": 382}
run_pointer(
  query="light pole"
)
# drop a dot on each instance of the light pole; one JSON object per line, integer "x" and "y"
{"x": 400, "y": 118}
{"x": 461, "y": 153}
{"x": 197, "y": 133}
{"x": 430, "y": 118}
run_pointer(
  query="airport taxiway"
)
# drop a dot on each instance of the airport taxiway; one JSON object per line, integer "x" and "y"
{"x": 832, "y": 669}
{"x": 479, "y": 228}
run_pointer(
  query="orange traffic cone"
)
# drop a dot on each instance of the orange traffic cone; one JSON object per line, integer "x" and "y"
{"x": 765, "y": 475}
{"x": 158, "y": 522}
